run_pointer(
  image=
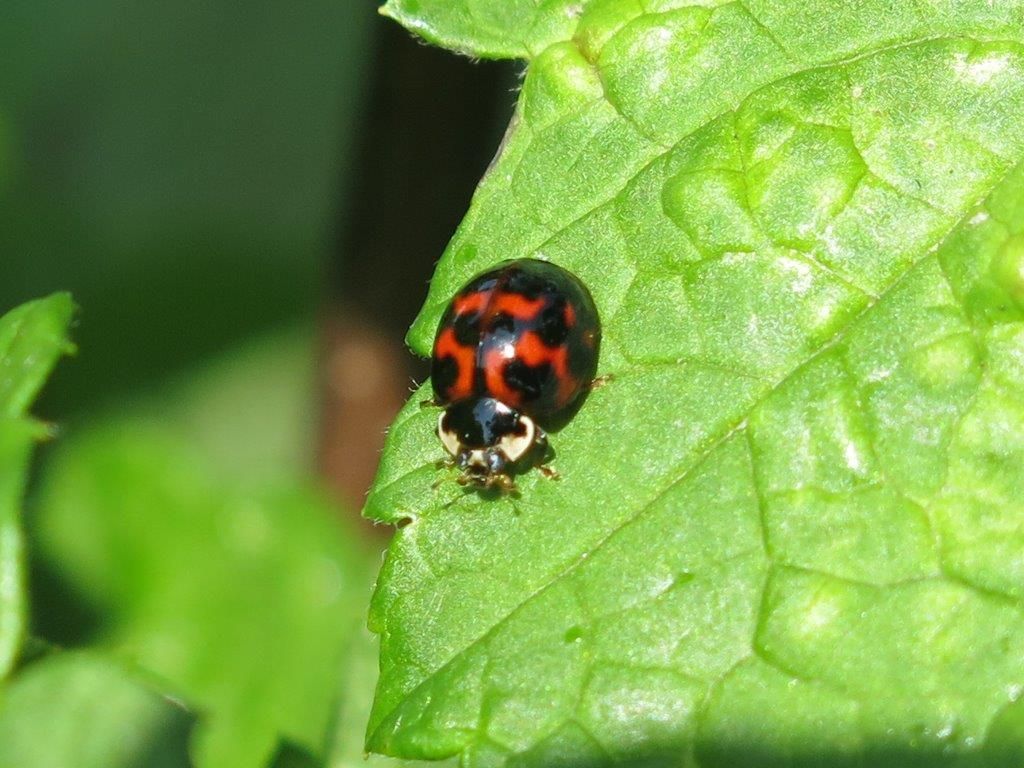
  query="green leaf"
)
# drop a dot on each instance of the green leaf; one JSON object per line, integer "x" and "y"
{"x": 78, "y": 710}
{"x": 32, "y": 338}
{"x": 491, "y": 29}
{"x": 242, "y": 597}
{"x": 789, "y": 531}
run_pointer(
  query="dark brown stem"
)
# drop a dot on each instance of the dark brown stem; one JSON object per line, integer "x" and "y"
{"x": 432, "y": 125}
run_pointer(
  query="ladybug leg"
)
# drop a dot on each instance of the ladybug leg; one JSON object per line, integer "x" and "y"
{"x": 431, "y": 403}
{"x": 549, "y": 472}
{"x": 600, "y": 381}
{"x": 505, "y": 484}
{"x": 545, "y": 455}
{"x": 445, "y": 463}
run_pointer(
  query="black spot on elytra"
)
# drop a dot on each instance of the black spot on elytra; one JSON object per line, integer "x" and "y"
{"x": 502, "y": 322}
{"x": 529, "y": 285}
{"x": 583, "y": 359}
{"x": 443, "y": 375}
{"x": 467, "y": 329}
{"x": 551, "y": 326}
{"x": 528, "y": 380}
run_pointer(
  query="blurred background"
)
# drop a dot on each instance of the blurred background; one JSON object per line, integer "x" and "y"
{"x": 246, "y": 201}
{"x": 201, "y": 173}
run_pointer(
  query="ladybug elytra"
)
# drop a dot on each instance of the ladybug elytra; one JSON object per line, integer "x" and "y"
{"x": 515, "y": 352}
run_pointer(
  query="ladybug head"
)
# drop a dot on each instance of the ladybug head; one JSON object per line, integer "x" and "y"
{"x": 486, "y": 438}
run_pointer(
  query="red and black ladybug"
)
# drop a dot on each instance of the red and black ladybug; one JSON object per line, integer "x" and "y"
{"x": 515, "y": 351}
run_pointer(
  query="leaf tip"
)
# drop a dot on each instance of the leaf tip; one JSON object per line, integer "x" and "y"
{"x": 61, "y": 309}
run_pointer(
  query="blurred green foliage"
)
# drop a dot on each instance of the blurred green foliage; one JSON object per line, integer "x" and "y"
{"x": 222, "y": 578}
{"x": 177, "y": 166}
{"x": 32, "y": 338}
{"x": 87, "y": 711}
{"x": 240, "y": 595}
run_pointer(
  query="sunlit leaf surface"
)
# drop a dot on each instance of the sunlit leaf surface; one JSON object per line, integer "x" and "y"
{"x": 790, "y": 531}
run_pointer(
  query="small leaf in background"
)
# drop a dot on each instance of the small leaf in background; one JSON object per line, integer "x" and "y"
{"x": 32, "y": 338}
{"x": 242, "y": 597}
{"x": 79, "y": 710}
{"x": 789, "y": 531}
{"x": 250, "y": 411}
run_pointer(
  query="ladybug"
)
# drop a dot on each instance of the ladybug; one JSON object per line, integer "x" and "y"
{"x": 515, "y": 352}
